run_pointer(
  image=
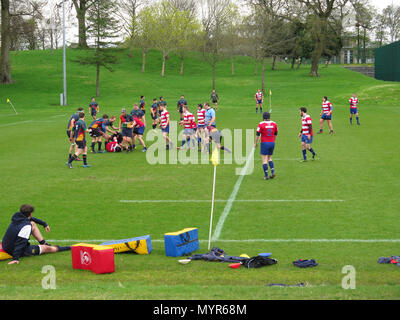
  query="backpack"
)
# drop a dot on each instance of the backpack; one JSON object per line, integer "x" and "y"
{"x": 258, "y": 262}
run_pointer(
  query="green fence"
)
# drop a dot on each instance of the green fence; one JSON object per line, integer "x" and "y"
{"x": 387, "y": 62}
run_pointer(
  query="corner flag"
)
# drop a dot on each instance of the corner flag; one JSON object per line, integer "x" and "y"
{"x": 9, "y": 101}
{"x": 215, "y": 162}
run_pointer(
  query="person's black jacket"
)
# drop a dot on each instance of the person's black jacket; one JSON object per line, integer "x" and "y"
{"x": 16, "y": 238}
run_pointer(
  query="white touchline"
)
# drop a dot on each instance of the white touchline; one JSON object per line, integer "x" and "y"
{"x": 14, "y": 123}
{"x": 249, "y": 200}
{"x": 249, "y": 240}
{"x": 228, "y": 206}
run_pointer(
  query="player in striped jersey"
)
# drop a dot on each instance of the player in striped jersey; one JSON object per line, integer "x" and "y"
{"x": 354, "y": 108}
{"x": 259, "y": 97}
{"x": 164, "y": 124}
{"x": 267, "y": 130}
{"x": 326, "y": 115}
{"x": 201, "y": 123}
{"x": 306, "y": 134}
{"x": 80, "y": 139}
{"x": 189, "y": 124}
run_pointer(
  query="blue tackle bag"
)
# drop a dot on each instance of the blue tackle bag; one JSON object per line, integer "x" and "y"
{"x": 182, "y": 242}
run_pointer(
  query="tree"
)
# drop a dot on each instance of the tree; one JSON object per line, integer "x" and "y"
{"x": 392, "y": 20}
{"x": 231, "y": 36}
{"x": 19, "y": 8}
{"x": 103, "y": 27}
{"x": 128, "y": 11}
{"x": 215, "y": 17}
{"x": 144, "y": 32}
{"x": 81, "y": 8}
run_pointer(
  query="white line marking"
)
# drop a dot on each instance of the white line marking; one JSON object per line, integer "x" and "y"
{"x": 14, "y": 123}
{"x": 228, "y": 206}
{"x": 209, "y": 201}
{"x": 251, "y": 240}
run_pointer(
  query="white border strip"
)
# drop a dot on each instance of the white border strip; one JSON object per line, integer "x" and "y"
{"x": 232, "y": 200}
{"x": 252, "y": 240}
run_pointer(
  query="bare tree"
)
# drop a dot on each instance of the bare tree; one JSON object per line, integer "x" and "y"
{"x": 215, "y": 17}
{"x": 392, "y": 19}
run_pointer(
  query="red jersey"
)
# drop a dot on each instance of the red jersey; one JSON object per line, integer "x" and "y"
{"x": 139, "y": 123}
{"x": 306, "y": 125}
{"x": 189, "y": 121}
{"x": 353, "y": 102}
{"x": 327, "y": 108}
{"x": 259, "y": 96}
{"x": 201, "y": 117}
{"x": 268, "y": 131}
{"x": 164, "y": 119}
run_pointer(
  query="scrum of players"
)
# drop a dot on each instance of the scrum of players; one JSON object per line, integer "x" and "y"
{"x": 198, "y": 134}
{"x": 132, "y": 125}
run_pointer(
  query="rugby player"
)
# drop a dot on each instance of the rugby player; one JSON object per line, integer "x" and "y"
{"x": 209, "y": 115}
{"x": 306, "y": 134}
{"x": 181, "y": 102}
{"x": 154, "y": 114}
{"x": 354, "y": 109}
{"x": 267, "y": 130}
{"x": 326, "y": 115}
{"x": 214, "y": 99}
{"x": 259, "y": 97}
{"x": 80, "y": 139}
{"x": 126, "y": 128}
{"x": 96, "y": 133}
{"x": 165, "y": 126}
{"x": 138, "y": 129}
{"x": 201, "y": 123}
{"x": 94, "y": 108}
{"x": 70, "y": 132}
{"x": 142, "y": 104}
{"x": 189, "y": 124}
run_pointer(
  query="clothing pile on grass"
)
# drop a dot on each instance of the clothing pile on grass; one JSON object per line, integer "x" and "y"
{"x": 217, "y": 254}
{"x": 387, "y": 260}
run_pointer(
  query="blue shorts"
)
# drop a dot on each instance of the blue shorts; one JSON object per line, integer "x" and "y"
{"x": 353, "y": 110}
{"x": 139, "y": 131}
{"x": 304, "y": 138}
{"x": 127, "y": 132}
{"x": 259, "y": 102}
{"x": 201, "y": 126}
{"x": 326, "y": 117}
{"x": 165, "y": 129}
{"x": 267, "y": 148}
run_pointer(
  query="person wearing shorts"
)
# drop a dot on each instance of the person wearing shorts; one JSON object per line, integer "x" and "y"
{"x": 126, "y": 128}
{"x": 80, "y": 140}
{"x": 16, "y": 239}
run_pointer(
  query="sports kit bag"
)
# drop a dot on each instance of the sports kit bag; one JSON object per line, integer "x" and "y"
{"x": 139, "y": 245}
{"x": 182, "y": 242}
{"x": 258, "y": 262}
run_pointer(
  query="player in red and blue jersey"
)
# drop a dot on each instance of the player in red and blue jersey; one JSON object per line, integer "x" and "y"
{"x": 80, "y": 140}
{"x": 259, "y": 97}
{"x": 354, "y": 109}
{"x": 71, "y": 134}
{"x": 142, "y": 104}
{"x": 97, "y": 133}
{"x": 201, "y": 124}
{"x": 267, "y": 131}
{"x": 154, "y": 113}
{"x": 138, "y": 131}
{"x": 326, "y": 115}
{"x": 306, "y": 134}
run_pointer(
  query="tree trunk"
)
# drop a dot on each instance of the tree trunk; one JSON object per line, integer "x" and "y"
{"x": 131, "y": 48}
{"x": 263, "y": 75}
{"x": 98, "y": 81}
{"x": 273, "y": 62}
{"x": 163, "y": 66}
{"x": 5, "y": 68}
{"x": 293, "y": 62}
{"x": 255, "y": 68}
{"x": 81, "y": 15}
{"x": 182, "y": 57}
{"x": 143, "y": 61}
{"x": 233, "y": 65}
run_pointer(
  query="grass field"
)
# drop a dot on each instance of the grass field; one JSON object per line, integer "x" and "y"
{"x": 357, "y": 165}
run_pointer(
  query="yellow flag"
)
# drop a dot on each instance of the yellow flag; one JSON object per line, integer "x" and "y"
{"x": 8, "y": 100}
{"x": 215, "y": 157}
{"x": 270, "y": 92}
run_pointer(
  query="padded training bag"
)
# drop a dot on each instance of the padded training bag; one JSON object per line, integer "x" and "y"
{"x": 139, "y": 245}
{"x": 181, "y": 242}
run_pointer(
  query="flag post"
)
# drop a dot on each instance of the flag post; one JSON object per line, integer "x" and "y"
{"x": 9, "y": 101}
{"x": 270, "y": 101}
{"x": 215, "y": 161}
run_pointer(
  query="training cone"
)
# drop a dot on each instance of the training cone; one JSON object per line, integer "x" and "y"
{"x": 235, "y": 265}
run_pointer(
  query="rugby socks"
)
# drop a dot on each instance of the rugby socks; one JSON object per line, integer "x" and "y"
{"x": 312, "y": 151}
{"x": 304, "y": 154}
{"x": 73, "y": 158}
{"x": 99, "y": 145}
{"x": 154, "y": 126}
{"x": 70, "y": 157}
{"x": 61, "y": 249}
{"x": 351, "y": 120}
{"x": 93, "y": 144}
{"x": 183, "y": 143}
{"x": 271, "y": 165}
{"x": 85, "y": 159}
{"x": 358, "y": 120}
{"x": 265, "y": 168}
{"x": 256, "y": 110}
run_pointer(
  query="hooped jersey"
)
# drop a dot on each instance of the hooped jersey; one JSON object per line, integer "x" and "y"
{"x": 189, "y": 121}
{"x": 353, "y": 103}
{"x": 201, "y": 117}
{"x": 164, "y": 119}
{"x": 327, "y": 108}
{"x": 259, "y": 96}
{"x": 306, "y": 125}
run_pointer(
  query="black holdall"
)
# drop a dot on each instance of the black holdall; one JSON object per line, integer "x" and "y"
{"x": 258, "y": 262}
